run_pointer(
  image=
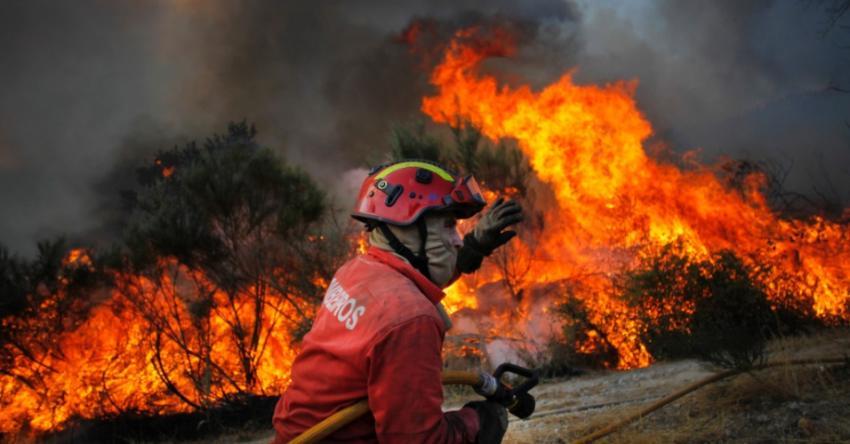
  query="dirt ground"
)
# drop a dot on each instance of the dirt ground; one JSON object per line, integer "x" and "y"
{"x": 783, "y": 404}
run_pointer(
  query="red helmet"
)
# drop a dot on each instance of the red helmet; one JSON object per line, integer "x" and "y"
{"x": 398, "y": 193}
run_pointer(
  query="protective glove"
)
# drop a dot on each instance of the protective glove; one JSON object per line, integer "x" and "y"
{"x": 493, "y": 420}
{"x": 488, "y": 235}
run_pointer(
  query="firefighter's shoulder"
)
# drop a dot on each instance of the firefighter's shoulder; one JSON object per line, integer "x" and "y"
{"x": 389, "y": 297}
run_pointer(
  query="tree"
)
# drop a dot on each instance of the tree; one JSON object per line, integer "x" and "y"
{"x": 230, "y": 240}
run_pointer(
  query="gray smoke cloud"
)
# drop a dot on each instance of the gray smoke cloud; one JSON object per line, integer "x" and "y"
{"x": 90, "y": 88}
{"x": 72, "y": 83}
{"x": 740, "y": 79}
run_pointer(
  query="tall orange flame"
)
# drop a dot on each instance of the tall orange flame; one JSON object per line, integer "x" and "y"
{"x": 615, "y": 204}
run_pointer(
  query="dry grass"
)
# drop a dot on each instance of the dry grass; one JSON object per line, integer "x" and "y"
{"x": 782, "y": 404}
{"x": 785, "y": 404}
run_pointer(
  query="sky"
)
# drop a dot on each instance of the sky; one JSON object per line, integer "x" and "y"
{"x": 92, "y": 88}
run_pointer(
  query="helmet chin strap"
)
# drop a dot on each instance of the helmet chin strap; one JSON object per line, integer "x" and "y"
{"x": 418, "y": 261}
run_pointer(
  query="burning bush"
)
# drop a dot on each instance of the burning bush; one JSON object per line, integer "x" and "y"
{"x": 40, "y": 300}
{"x": 244, "y": 260}
{"x": 582, "y": 344}
{"x": 711, "y": 308}
{"x": 225, "y": 258}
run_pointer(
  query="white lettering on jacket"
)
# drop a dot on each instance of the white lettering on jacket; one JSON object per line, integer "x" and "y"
{"x": 343, "y": 306}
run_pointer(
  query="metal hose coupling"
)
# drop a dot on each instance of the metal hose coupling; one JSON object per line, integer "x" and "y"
{"x": 516, "y": 399}
{"x": 487, "y": 386}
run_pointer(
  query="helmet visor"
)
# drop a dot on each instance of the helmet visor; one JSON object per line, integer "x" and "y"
{"x": 467, "y": 198}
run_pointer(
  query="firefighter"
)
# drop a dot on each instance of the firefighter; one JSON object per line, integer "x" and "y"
{"x": 379, "y": 331}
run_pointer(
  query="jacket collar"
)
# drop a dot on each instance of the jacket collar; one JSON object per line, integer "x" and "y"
{"x": 431, "y": 290}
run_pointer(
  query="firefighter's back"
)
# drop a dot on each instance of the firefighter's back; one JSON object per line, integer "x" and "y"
{"x": 365, "y": 300}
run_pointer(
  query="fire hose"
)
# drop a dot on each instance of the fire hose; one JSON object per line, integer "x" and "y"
{"x": 516, "y": 399}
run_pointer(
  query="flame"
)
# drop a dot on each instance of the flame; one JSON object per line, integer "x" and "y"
{"x": 78, "y": 257}
{"x": 615, "y": 204}
{"x": 459, "y": 296}
{"x": 362, "y": 242}
{"x": 147, "y": 330}
{"x": 166, "y": 170}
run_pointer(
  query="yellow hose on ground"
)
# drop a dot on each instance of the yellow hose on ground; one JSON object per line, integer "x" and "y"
{"x": 339, "y": 419}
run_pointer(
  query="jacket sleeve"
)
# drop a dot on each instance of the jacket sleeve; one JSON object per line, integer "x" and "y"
{"x": 406, "y": 390}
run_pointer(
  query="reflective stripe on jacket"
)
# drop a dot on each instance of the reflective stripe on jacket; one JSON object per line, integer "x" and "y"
{"x": 377, "y": 335}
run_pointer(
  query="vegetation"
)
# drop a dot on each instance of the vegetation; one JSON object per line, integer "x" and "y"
{"x": 40, "y": 299}
{"x": 499, "y": 166}
{"x": 245, "y": 229}
{"x": 712, "y": 309}
{"x": 226, "y": 246}
{"x": 577, "y": 328}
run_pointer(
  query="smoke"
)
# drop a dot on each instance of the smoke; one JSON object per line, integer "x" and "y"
{"x": 72, "y": 83}
{"x": 738, "y": 79}
{"x": 92, "y": 88}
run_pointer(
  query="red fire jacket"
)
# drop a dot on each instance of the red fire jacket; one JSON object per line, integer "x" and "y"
{"x": 378, "y": 336}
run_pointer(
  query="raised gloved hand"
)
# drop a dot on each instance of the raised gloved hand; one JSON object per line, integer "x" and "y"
{"x": 488, "y": 234}
{"x": 493, "y": 420}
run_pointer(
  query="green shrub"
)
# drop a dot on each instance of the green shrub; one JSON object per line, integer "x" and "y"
{"x": 711, "y": 309}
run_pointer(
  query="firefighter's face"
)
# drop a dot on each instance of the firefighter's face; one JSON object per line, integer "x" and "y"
{"x": 449, "y": 235}
{"x": 442, "y": 247}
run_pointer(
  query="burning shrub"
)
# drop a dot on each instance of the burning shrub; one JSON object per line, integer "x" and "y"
{"x": 711, "y": 308}
{"x": 40, "y": 299}
{"x": 583, "y": 344}
{"x": 579, "y": 343}
{"x": 500, "y": 167}
{"x": 731, "y": 325}
{"x": 210, "y": 207}
{"x": 248, "y": 260}
{"x": 225, "y": 257}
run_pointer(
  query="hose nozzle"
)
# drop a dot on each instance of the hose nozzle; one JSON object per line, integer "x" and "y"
{"x": 517, "y": 400}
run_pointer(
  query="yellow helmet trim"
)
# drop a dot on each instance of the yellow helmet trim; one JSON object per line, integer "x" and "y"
{"x": 412, "y": 164}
